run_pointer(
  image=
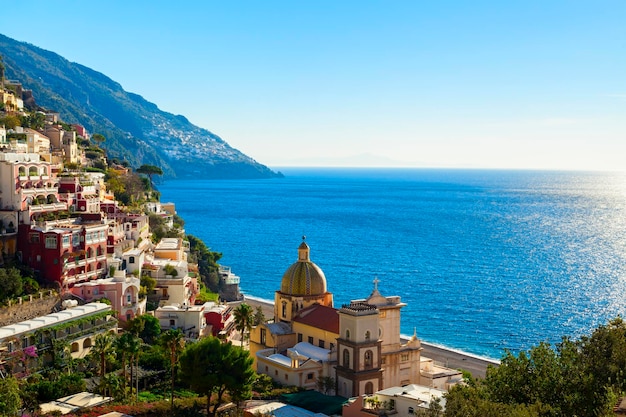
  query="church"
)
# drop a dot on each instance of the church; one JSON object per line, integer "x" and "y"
{"x": 349, "y": 351}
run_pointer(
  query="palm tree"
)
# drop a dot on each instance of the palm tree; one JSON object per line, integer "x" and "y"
{"x": 61, "y": 356}
{"x": 102, "y": 347}
{"x": 111, "y": 383}
{"x": 174, "y": 341}
{"x": 122, "y": 345}
{"x": 133, "y": 349}
{"x": 243, "y": 319}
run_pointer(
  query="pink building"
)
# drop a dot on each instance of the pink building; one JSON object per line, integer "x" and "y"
{"x": 121, "y": 290}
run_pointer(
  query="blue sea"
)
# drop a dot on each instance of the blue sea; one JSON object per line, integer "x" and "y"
{"x": 484, "y": 260}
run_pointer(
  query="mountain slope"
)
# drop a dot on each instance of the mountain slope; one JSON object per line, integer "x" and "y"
{"x": 135, "y": 129}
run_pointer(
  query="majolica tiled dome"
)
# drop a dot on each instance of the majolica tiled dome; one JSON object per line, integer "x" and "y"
{"x": 303, "y": 277}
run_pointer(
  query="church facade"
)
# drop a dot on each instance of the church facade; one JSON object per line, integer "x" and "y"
{"x": 354, "y": 350}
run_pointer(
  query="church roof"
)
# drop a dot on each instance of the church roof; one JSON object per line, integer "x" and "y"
{"x": 303, "y": 277}
{"x": 311, "y": 351}
{"x": 320, "y": 317}
{"x": 279, "y": 328}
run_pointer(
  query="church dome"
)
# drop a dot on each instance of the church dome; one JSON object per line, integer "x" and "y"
{"x": 303, "y": 277}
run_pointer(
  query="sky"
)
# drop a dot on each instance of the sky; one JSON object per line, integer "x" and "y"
{"x": 460, "y": 84}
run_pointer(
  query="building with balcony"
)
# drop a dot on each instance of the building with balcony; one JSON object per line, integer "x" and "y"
{"x": 27, "y": 344}
{"x": 28, "y": 187}
{"x": 405, "y": 401}
{"x": 67, "y": 252}
{"x": 79, "y": 193}
{"x": 219, "y": 319}
{"x": 189, "y": 319}
{"x": 121, "y": 289}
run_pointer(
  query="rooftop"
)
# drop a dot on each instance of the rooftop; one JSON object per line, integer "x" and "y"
{"x": 52, "y": 319}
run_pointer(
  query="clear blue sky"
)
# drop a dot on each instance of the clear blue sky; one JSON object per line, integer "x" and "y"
{"x": 498, "y": 84}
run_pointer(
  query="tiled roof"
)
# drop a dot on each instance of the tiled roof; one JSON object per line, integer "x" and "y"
{"x": 319, "y": 316}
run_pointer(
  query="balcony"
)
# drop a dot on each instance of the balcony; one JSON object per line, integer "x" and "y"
{"x": 41, "y": 208}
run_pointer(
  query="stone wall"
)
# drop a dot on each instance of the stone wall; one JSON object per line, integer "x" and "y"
{"x": 35, "y": 306}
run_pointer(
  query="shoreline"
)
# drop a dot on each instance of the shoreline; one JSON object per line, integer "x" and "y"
{"x": 442, "y": 355}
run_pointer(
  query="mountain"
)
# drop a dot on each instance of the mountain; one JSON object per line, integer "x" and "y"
{"x": 136, "y": 130}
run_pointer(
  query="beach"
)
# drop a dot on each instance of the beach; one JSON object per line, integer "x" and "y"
{"x": 442, "y": 355}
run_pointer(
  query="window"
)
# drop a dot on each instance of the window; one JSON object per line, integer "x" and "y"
{"x": 263, "y": 336}
{"x": 310, "y": 376}
{"x": 284, "y": 309}
{"x": 128, "y": 298}
{"x": 172, "y": 323}
{"x": 369, "y": 388}
{"x": 75, "y": 239}
{"x": 346, "y": 358}
{"x": 34, "y": 237}
{"x": 51, "y": 242}
{"x": 347, "y": 334}
{"x": 66, "y": 241}
{"x": 321, "y": 344}
{"x": 367, "y": 335}
{"x": 411, "y": 410}
{"x": 369, "y": 359}
{"x": 311, "y": 339}
{"x": 131, "y": 259}
{"x": 299, "y": 337}
{"x": 332, "y": 346}
{"x": 404, "y": 357}
{"x": 286, "y": 377}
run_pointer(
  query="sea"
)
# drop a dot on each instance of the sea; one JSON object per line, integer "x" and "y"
{"x": 485, "y": 260}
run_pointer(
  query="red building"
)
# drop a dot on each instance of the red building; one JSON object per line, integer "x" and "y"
{"x": 221, "y": 320}
{"x": 67, "y": 253}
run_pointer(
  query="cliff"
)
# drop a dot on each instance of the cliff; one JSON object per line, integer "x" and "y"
{"x": 136, "y": 130}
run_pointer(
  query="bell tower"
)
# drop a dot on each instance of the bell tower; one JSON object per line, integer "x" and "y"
{"x": 358, "y": 350}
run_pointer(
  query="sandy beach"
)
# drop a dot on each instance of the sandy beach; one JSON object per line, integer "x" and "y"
{"x": 450, "y": 358}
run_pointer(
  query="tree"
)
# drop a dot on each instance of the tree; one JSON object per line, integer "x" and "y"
{"x": 326, "y": 384}
{"x": 10, "y": 400}
{"x": 133, "y": 351}
{"x": 147, "y": 327}
{"x": 61, "y": 355}
{"x": 147, "y": 284}
{"x": 112, "y": 384}
{"x": 243, "y": 319}
{"x": 207, "y": 262}
{"x": 102, "y": 347}
{"x": 10, "y": 283}
{"x": 125, "y": 345}
{"x": 259, "y": 316}
{"x": 149, "y": 170}
{"x": 212, "y": 367}
{"x": 98, "y": 138}
{"x": 174, "y": 342}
